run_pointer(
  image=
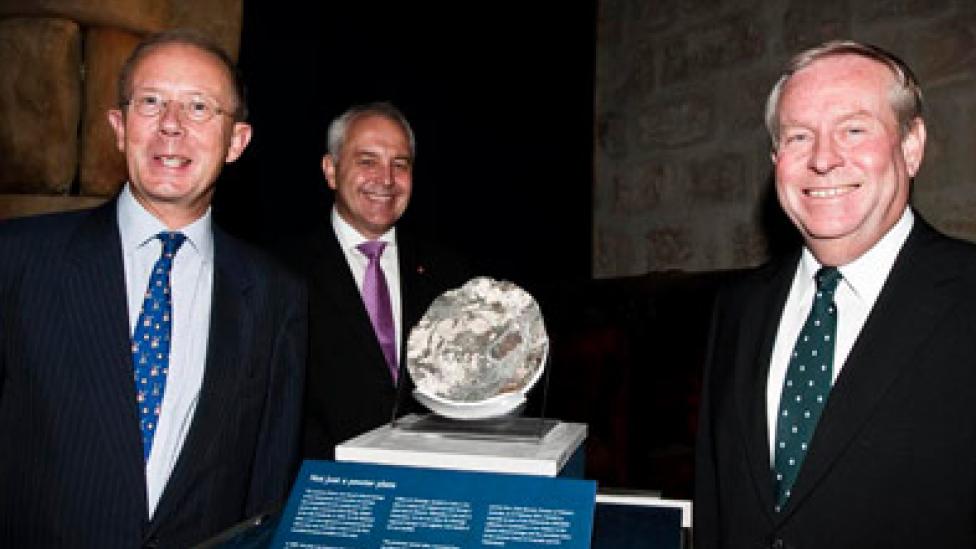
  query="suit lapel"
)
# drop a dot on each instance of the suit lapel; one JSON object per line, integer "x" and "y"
{"x": 231, "y": 326}
{"x": 413, "y": 285}
{"x": 97, "y": 311}
{"x": 917, "y": 293}
{"x": 328, "y": 263}
{"x": 757, "y": 333}
{"x": 415, "y": 292}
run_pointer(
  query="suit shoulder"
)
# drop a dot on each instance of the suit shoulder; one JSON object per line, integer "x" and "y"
{"x": 37, "y": 240}
{"x": 964, "y": 250}
{"x": 749, "y": 279}
{"x": 940, "y": 251}
{"x": 43, "y": 226}
{"x": 740, "y": 287}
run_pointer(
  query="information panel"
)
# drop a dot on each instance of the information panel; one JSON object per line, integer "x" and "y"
{"x": 342, "y": 505}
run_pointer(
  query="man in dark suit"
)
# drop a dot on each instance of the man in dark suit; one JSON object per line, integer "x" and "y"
{"x": 353, "y": 380}
{"x": 837, "y": 409}
{"x": 151, "y": 365}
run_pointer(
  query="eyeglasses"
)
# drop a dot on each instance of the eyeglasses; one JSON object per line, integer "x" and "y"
{"x": 196, "y": 108}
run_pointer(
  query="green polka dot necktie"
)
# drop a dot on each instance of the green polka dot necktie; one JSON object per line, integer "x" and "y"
{"x": 151, "y": 340}
{"x": 807, "y": 385}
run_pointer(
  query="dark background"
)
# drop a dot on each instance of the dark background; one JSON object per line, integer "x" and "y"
{"x": 500, "y": 96}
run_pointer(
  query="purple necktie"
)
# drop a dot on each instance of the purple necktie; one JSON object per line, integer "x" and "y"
{"x": 376, "y": 295}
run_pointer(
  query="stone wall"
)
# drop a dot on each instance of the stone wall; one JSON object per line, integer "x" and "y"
{"x": 60, "y": 59}
{"x": 682, "y": 174}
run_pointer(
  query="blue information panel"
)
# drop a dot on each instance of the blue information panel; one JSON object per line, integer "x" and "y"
{"x": 343, "y": 505}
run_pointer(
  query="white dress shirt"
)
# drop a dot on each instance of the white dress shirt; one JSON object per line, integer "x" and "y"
{"x": 855, "y": 297}
{"x": 192, "y": 289}
{"x": 349, "y": 238}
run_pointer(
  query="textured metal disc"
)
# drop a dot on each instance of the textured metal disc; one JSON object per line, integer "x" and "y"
{"x": 486, "y": 340}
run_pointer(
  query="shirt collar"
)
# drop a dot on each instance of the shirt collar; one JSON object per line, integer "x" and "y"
{"x": 137, "y": 226}
{"x": 866, "y": 275}
{"x": 349, "y": 237}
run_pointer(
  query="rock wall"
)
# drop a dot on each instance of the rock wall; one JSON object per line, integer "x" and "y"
{"x": 682, "y": 174}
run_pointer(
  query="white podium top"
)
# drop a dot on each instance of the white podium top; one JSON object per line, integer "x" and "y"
{"x": 392, "y": 446}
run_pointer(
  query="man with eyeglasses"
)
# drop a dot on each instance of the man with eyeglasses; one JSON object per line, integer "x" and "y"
{"x": 151, "y": 365}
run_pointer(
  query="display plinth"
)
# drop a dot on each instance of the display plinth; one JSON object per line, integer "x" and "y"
{"x": 505, "y": 429}
{"x": 402, "y": 445}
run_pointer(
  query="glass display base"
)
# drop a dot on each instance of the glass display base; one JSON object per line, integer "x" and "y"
{"x": 520, "y": 429}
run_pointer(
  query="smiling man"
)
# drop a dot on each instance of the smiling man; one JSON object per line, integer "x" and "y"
{"x": 369, "y": 280}
{"x": 837, "y": 408}
{"x": 151, "y": 366}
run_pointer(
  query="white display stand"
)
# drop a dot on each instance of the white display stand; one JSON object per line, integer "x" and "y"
{"x": 388, "y": 445}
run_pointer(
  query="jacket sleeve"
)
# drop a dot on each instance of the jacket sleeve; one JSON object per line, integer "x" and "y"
{"x": 705, "y": 525}
{"x": 277, "y": 451}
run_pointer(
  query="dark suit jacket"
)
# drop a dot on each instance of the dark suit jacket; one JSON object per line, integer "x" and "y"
{"x": 893, "y": 460}
{"x": 71, "y": 464}
{"x": 349, "y": 387}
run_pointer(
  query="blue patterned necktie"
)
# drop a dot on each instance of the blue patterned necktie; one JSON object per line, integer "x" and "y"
{"x": 151, "y": 340}
{"x": 807, "y": 385}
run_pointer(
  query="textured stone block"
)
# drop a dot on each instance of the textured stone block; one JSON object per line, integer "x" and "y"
{"x": 668, "y": 247}
{"x": 602, "y": 185}
{"x": 614, "y": 253}
{"x": 136, "y": 15}
{"x": 642, "y": 74}
{"x": 808, "y": 23}
{"x": 946, "y": 183}
{"x": 626, "y": 66}
{"x": 947, "y": 133}
{"x": 20, "y": 205}
{"x": 677, "y": 121}
{"x": 952, "y": 212}
{"x": 719, "y": 180}
{"x": 40, "y": 101}
{"x": 887, "y": 9}
{"x": 610, "y": 22}
{"x": 102, "y": 169}
{"x": 651, "y": 15}
{"x": 749, "y": 245}
{"x": 714, "y": 7}
{"x": 638, "y": 191}
{"x": 611, "y": 134}
{"x": 609, "y": 29}
{"x": 744, "y": 102}
{"x": 723, "y": 43}
{"x": 936, "y": 52}
{"x": 220, "y": 19}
